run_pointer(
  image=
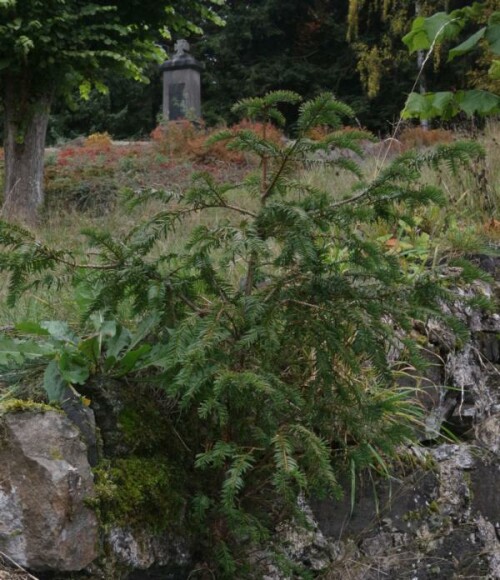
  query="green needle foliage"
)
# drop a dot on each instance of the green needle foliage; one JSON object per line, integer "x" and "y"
{"x": 270, "y": 331}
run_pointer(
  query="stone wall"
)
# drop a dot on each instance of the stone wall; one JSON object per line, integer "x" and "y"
{"x": 439, "y": 516}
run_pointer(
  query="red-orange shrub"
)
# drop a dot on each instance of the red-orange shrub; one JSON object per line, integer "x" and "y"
{"x": 272, "y": 133}
{"x": 412, "y": 137}
{"x": 322, "y": 131}
{"x": 208, "y": 153}
{"x": 218, "y": 152}
{"x": 98, "y": 142}
{"x": 173, "y": 138}
{"x": 185, "y": 140}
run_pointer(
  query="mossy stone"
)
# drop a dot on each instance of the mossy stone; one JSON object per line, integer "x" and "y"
{"x": 138, "y": 492}
{"x": 21, "y": 406}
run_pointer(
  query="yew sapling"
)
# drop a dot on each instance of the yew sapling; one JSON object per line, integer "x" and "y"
{"x": 269, "y": 332}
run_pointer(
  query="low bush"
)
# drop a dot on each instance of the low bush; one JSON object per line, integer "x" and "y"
{"x": 416, "y": 137}
{"x": 192, "y": 141}
{"x": 99, "y": 141}
{"x": 79, "y": 182}
{"x": 173, "y": 138}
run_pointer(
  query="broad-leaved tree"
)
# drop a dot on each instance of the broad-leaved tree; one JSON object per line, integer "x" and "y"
{"x": 49, "y": 46}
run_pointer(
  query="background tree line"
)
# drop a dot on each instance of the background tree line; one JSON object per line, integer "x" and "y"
{"x": 350, "y": 47}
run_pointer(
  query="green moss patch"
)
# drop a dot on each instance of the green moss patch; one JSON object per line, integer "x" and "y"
{"x": 137, "y": 492}
{"x": 143, "y": 426}
{"x": 22, "y": 406}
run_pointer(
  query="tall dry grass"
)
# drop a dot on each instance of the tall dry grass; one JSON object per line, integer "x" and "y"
{"x": 470, "y": 220}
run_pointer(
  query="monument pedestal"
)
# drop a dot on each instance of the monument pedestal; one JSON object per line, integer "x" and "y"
{"x": 182, "y": 85}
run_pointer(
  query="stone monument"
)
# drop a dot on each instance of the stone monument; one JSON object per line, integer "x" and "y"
{"x": 181, "y": 85}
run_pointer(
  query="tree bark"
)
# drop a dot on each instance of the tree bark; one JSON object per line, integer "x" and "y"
{"x": 26, "y": 118}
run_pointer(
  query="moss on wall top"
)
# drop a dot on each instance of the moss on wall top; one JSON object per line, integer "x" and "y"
{"x": 21, "y": 406}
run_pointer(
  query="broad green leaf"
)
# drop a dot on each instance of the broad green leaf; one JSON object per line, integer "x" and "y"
{"x": 438, "y": 27}
{"x": 441, "y": 26}
{"x": 467, "y": 45}
{"x": 97, "y": 319}
{"x": 117, "y": 342}
{"x": 29, "y": 327}
{"x": 493, "y": 37}
{"x": 128, "y": 362}
{"x": 17, "y": 351}
{"x": 73, "y": 368}
{"x": 417, "y": 105}
{"x": 90, "y": 348}
{"x": 53, "y": 382}
{"x": 417, "y": 38}
{"x": 109, "y": 363}
{"x": 448, "y": 104}
{"x": 109, "y": 329}
{"x": 478, "y": 102}
{"x": 59, "y": 330}
{"x": 444, "y": 105}
{"x": 84, "y": 294}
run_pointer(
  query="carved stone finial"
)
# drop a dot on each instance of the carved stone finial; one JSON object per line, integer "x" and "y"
{"x": 181, "y": 47}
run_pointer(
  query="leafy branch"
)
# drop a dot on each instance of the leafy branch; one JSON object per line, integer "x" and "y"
{"x": 425, "y": 34}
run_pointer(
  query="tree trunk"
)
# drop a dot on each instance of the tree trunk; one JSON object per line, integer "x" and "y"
{"x": 25, "y": 128}
{"x": 422, "y": 85}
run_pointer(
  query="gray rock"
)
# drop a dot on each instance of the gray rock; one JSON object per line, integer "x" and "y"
{"x": 83, "y": 417}
{"x": 143, "y": 550}
{"x": 45, "y": 480}
{"x": 459, "y": 456}
{"x": 489, "y": 345}
{"x": 484, "y": 490}
{"x": 488, "y": 536}
{"x": 305, "y": 544}
{"x": 488, "y": 433}
{"x": 377, "y": 545}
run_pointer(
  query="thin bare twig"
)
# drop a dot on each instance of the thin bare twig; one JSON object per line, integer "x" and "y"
{"x": 417, "y": 80}
{"x": 17, "y": 566}
{"x": 86, "y": 266}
